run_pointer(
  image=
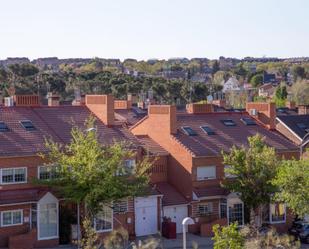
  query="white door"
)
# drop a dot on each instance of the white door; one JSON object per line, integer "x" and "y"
{"x": 146, "y": 216}
{"x": 177, "y": 214}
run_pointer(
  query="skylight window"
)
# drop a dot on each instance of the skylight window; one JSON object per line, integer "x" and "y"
{"x": 207, "y": 130}
{"x": 228, "y": 122}
{"x": 248, "y": 121}
{"x": 27, "y": 124}
{"x": 189, "y": 131}
{"x": 3, "y": 127}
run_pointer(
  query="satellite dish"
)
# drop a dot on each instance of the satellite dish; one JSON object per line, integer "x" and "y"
{"x": 209, "y": 98}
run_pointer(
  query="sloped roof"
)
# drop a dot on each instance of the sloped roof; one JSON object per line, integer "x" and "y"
{"x": 210, "y": 191}
{"x": 151, "y": 146}
{"x": 171, "y": 196}
{"x": 225, "y": 136}
{"x": 293, "y": 121}
{"x": 50, "y": 122}
{"x": 21, "y": 195}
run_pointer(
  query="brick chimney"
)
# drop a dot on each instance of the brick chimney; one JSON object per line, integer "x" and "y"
{"x": 53, "y": 99}
{"x": 264, "y": 112}
{"x": 196, "y": 108}
{"x": 103, "y": 107}
{"x": 303, "y": 109}
{"x": 26, "y": 100}
{"x": 163, "y": 118}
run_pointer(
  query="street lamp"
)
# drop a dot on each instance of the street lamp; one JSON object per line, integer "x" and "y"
{"x": 185, "y": 222}
{"x": 304, "y": 143}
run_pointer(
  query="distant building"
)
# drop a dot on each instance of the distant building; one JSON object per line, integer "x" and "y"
{"x": 232, "y": 84}
{"x": 269, "y": 78}
{"x": 266, "y": 90}
{"x": 14, "y": 60}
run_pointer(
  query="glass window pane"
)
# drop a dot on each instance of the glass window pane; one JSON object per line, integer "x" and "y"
{"x": 48, "y": 220}
{"x": 17, "y": 217}
{"x": 104, "y": 219}
{"x": 277, "y": 212}
{"x": 7, "y": 175}
{"x": 7, "y": 218}
{"x": 20, "y": 175}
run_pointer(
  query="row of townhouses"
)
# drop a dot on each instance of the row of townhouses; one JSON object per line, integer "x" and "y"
{"x": 187, "y": 166}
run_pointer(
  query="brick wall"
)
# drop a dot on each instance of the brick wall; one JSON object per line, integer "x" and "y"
{"x": 103, "y": 107}
{"x": 266, "y": 113}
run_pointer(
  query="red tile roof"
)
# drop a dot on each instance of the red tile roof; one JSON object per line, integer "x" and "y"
{"x": 171, "y": 196}
{"x": 151, "y": 146}
{"x": 225, "y": 136}
{"x": 50, "y": 122}
{"x": 21, "y": 195}
{"x": 210, "y": 191}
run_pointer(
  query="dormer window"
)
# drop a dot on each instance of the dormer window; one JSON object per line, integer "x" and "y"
{"x": 27, "y": 125}
{"x": 188, "y": 130}
{"x": 3, "y": 127}
{"x": 228, "y": 122}
{"x": 207, "y": 130}
{"x": 248, "y": 121}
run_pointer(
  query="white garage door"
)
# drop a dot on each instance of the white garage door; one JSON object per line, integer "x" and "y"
{"x": 177, "y": 214}
{"x": 146, "y": 216}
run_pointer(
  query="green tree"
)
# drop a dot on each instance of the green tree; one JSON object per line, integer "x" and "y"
{"x": 298, "y": 72}
{"x": 292, "y": 181}
{"x": 91, "y": 174}
{"x": 254, "y": 167}
{"x": 257, "y": 80}
{"x": 227, "y": 237}
{"x": 280, "y": 96}
{"x": 215, "y": 67}
{"x": 300, "y": 92}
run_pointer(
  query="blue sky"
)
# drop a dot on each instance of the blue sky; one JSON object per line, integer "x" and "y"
{"x": 154, "y": 29}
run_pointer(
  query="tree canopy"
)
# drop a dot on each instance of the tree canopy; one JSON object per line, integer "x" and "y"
{"x": 93, "y": 174}
{"x": 292, "y": 181}
{"x": 254, "y": 168}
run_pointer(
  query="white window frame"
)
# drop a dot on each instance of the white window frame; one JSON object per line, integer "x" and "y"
{"x": 44, "y": 166}
{"x": 104, "y": 230}
{"x": 14, "y": 168}
{"x": 38, "y": 221}
{"x": 206, "y": 178}
{"x": 209, "y": 207}
{"x": 270, "y": 215}
{"x": 11, "y": 211}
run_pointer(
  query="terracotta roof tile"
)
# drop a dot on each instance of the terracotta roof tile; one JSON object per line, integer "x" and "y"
{"x": 170, "y": 195}
{"x": 210, "y": 191}
{"x": 21, "y": 195}
{"x": 50, "y": 122}
{"x": 225, "y": 136}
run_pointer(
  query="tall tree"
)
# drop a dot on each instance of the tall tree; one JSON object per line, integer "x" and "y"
{"x": 254, "y": 168}
{"x": 292, "y": 181}
{"x": 92, "y": 174}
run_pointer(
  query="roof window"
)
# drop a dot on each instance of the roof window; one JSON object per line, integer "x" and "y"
{"x": 188, "y": 130}
{"x": 207, "y": 130}
{"x": 27, "y": 124}
{"x": 248, "y": 121}
{"x": 3, "y": 127}
{"x": 228, "y": 122}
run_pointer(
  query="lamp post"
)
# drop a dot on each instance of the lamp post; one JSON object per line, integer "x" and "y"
{"x": 185, "y": 222}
